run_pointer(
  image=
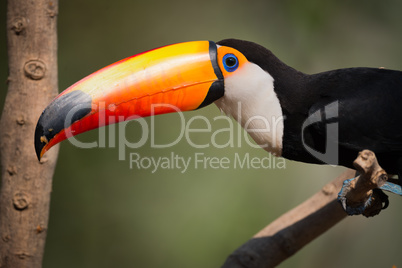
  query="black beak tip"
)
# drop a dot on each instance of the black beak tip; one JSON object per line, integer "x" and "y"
{"x": 53, "y": 118}
{"x": 40, "y": 139}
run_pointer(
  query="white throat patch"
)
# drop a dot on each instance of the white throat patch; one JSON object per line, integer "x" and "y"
{"x": 251, "y": 100}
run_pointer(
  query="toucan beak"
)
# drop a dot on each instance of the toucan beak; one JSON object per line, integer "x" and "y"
{"x": 180, "y": 77}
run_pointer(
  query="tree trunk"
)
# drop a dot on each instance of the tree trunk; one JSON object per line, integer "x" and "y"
{"x": 32, "y": 84}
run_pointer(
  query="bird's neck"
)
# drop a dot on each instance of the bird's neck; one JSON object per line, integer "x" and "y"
{"x": 251, "y": 100}
{"x": 279, "y": 97}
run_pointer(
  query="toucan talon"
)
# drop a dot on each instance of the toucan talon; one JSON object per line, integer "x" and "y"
{"x": 383, "y": 198}
{"x": 356, "y": 210}
{"x": 379, "y": 201}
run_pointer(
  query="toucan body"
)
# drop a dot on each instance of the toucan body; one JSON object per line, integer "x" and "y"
{"x": 298, "y": 108}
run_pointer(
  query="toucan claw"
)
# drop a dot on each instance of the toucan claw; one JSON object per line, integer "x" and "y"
{"x": 370, "y": 207}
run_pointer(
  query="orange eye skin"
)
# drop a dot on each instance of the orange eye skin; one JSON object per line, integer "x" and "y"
{"x": 222, "y": 51}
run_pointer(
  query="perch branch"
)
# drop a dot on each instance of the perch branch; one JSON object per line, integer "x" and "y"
{"x": 296, "y": 228}
{"x": 293, "y": 230}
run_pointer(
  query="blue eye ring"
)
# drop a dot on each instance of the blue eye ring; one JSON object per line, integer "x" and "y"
{"x": 230, "y": 62}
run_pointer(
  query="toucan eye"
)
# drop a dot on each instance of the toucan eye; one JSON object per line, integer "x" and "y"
{"x": 230, "y": 62}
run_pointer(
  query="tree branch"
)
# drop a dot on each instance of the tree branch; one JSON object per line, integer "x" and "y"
{"x": 32, "y": 83}
{"x": 293, "y": 230}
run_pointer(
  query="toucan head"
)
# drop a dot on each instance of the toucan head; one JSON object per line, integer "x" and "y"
{"x": 180, "y": 77}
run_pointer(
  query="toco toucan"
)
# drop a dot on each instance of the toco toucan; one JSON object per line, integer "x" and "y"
{"x": 323, "y": 118}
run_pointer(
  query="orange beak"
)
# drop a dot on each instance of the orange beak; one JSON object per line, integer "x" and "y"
{"x": 183, "y": 77}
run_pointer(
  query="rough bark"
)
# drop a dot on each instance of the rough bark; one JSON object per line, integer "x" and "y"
{"x": 32, "y": 83}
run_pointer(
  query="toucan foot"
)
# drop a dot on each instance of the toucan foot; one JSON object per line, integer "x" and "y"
{"x": 372, "y": 206}
{"x": 351, "y": 210}
{"x": 392, "y": 188}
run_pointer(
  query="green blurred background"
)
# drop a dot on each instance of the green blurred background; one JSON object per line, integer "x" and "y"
{"x": 104, "y": 214}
